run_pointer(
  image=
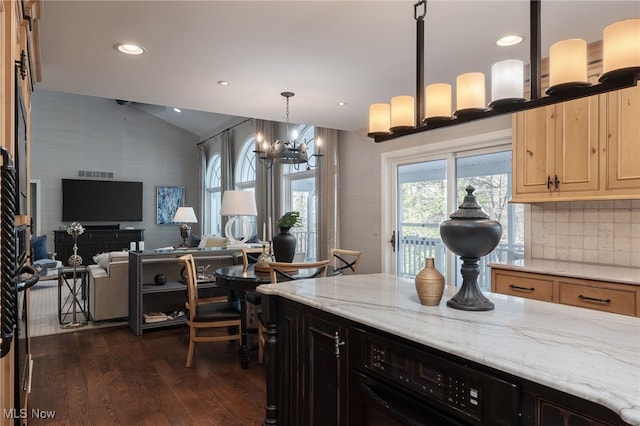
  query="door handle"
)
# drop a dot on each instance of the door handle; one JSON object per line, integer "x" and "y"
{"x": 393, "y": 240}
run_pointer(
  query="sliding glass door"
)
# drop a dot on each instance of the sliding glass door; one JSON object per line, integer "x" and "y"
{"x": 427, "y": 192}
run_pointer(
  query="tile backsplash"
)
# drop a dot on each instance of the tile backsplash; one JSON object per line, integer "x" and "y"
{"x": 602, "y": 232}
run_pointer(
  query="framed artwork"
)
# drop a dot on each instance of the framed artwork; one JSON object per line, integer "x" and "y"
{"x": 168, "y": 199}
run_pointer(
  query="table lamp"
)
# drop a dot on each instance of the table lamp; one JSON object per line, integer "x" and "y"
{"x": 238, "y": 204}
{"x": 185, "y": 215}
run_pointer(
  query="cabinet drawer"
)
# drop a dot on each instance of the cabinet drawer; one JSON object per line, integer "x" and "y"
{"x": 598, "y": 297}
{"x": 531, "y": 288}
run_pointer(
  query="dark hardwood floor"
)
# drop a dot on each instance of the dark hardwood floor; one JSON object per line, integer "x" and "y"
{"x": 112, "y": 377}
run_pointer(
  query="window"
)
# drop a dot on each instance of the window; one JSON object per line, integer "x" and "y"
{"x": 246, "y": 172}
{"x": 300, "y": 195}
{"x": 213, "y": 197}
{"x": 426, "y": 193}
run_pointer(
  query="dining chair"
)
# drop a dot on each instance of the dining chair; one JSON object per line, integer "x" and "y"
{"x": 250, "y": 255}
{"x": 344, "y": 260}
{"x": 285, "y": 271}
{"x": 253, "y": 298}
{"x": 206, "y": 313}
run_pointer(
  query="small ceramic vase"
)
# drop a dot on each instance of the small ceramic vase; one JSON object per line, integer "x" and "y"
{"x": 429, "y": 284}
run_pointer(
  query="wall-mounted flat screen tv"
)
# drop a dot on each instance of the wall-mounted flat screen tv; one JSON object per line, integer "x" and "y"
{"x": 101, "y": 200}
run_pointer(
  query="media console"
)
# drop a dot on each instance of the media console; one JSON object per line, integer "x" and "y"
{"x": 94, "y": 241}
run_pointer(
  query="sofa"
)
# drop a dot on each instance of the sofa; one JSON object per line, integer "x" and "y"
{"x": 109, "y": 286}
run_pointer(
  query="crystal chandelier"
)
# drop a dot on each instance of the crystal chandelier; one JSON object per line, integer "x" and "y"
{"x": 288, "y": 150}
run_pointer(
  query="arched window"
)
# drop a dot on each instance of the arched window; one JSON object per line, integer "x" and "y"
{"x": 246, "y": 172}
{"x": 300, "y": 195}
{"x": 246, "y": 166}
{"x": 213, "y": 197}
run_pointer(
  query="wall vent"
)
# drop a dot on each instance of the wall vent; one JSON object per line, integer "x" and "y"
{"x": 93, "y": 174}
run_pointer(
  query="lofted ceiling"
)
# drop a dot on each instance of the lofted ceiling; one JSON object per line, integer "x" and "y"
{"x": 357, "y": 52}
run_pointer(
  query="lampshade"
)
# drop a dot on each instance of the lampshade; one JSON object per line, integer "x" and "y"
{"x": 470, "y": 94}
{"x": 238, "y": 203}
{"x": 185, "y": 215}
{"x": 402, "y": 112}
{"x": 438, "y": 101}
{"x": 621, "y": 47}
{"x": 567, "y": 64}
{"x": 379, "y": 119}
{"x": 507, "y": 82}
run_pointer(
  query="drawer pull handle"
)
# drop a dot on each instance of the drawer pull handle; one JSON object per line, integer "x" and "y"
{"x": 593, "y": 299}
{"x": 517, "y": 287}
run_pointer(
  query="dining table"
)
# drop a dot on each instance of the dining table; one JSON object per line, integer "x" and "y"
{"x": 242, "y": 280}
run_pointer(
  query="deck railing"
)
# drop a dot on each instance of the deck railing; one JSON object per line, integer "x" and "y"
{"x": 414, "y": 250}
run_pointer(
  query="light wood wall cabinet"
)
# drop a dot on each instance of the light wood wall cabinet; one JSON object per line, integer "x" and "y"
{"x": 599, "y": 295}
{"x": 584, "y": 149}
{"x": 622, "y": 159}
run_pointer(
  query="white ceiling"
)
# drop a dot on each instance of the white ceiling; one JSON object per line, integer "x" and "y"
{"x": 359, "y": 52}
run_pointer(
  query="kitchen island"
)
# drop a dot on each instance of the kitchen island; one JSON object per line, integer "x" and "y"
{"x": 590, "y": 355}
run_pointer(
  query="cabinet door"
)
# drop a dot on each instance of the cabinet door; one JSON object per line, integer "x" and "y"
{"x": 533, "y": 162}
{"x": 623, "y": 140}
{"x": 326, "y": 373}
{"x": 577, "y": 145}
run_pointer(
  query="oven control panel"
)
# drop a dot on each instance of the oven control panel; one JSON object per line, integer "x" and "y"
{"x": 470, "y": 394}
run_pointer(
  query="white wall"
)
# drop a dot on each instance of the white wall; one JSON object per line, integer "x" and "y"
{"x": 360, "y": 183}
{"x": 73, "y": 132}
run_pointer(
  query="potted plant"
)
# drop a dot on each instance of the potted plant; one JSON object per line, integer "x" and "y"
{"x": 284, "y": 243}
{"x": 289, "y": 220}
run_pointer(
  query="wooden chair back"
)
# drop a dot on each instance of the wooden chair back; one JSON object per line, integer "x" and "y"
{"x": 248, "y": 255}
{"x": 287, "y": 271}
{"x": 343, "y": 260}
{"x": 191, "y": 277}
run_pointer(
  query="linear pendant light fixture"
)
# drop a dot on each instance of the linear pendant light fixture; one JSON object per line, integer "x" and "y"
{"x": 567, "y": 80}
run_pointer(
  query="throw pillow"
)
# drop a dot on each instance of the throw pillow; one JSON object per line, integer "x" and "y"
{"x": 194, "y": 240}
{"x": 212, "y": 241}
{"x": 102, "y": 260}
{"x": 39, "y": 247}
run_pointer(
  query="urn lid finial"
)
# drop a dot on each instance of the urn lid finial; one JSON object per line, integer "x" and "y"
{"x": 469, "y": 209}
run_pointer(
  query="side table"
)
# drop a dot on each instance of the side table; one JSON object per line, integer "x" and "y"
{"x": 77, "y": 295}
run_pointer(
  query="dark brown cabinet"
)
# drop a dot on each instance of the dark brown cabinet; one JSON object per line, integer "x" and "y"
{"x": 93, "y": 242}
{"x": 313, "y": 382}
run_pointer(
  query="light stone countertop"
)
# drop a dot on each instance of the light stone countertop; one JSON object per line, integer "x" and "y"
{"x": 590, "y": 354}
{"x": 587, "y": 271}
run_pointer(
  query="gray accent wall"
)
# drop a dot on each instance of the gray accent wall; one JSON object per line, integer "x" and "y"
{"x": 73, "y": 132}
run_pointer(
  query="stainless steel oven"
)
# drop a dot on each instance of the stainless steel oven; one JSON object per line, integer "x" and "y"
{"x": 392, "y": 383}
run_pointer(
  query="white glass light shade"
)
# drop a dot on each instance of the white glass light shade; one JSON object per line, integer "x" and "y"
{"x": 568, "y": 62}
{"x": 621, "y": 45}
{"x": 238, "y": 203}
{"x": 438, "y": 101}
{"x": 507, "y": 80}
{"x": 402, "y": 112}
{"x": 470, "y": 92}
{"x": 379, "y": 118}
{"x": 185, "y": 215}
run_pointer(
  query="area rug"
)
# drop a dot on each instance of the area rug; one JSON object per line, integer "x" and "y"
{"x": 43, "y": 314}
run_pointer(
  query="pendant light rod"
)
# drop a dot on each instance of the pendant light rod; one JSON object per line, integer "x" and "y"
{"x": 534, "y": 49}
{"x": 420, "y": 104}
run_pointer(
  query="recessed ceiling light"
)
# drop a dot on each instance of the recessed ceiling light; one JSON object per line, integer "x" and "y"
{"x": 129, "y": 49}
{"x": 509, "y": 40}
{"x": 223, "y": 83}
{"x": 342, "y": 103}
{"x": 177, "y": 110}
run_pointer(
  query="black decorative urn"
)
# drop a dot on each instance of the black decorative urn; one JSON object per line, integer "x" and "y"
{"x": 470, "y": 234}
